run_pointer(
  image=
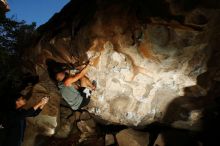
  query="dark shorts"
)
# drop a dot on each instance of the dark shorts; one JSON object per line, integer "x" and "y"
{"x": 86, "y": 98}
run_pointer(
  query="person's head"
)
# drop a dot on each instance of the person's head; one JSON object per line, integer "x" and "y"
{"x": 60, "y": 76}
{"x": 20, "y": 102}
{"x": 56, "y": 70}
{"x": 22, "y": 97}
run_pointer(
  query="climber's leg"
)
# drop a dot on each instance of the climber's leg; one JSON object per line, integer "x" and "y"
{"x": 85, "y": 82}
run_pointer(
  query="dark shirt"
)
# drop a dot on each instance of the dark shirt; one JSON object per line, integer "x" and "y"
{"x": 16, "y": 125}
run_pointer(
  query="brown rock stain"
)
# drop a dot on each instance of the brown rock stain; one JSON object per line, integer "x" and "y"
{"x": 110, "y": 29}
{"x": 97, "y": 46}
{"x": 145, "y": 51}
{"x": 118, "y": 47}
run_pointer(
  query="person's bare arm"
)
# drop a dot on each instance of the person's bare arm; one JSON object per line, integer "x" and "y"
{"x": 78, "y": 76}
{"x": 81, "y": 67}
{"x": 41, "y": 104}
{"x": 36, "y": 106}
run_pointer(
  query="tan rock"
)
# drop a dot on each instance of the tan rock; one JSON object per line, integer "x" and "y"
{"x": 77, "y": 115}
{"x": 85, "y": 115}
{"x": 130, "y": 137}
{"x": 86, "y": 126}
{"x": 64, "y": 130}
{"x": 109, "y": 139}
{"x": 159, "y": 141}
{"x": 65, "y": 112}
{"x": 67, "y": 122}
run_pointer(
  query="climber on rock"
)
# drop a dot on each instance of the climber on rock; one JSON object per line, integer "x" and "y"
{"x": 16, "y": 122}
{"x": 75, "y": 88}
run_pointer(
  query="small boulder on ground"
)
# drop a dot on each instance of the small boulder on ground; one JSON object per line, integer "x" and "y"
{"x": 130, "y": 137}
{"x": 109, "y": 139}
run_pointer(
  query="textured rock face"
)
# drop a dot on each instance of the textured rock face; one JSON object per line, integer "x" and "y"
{"x": 133, "y": 86}
{"x": 152, "y": 65}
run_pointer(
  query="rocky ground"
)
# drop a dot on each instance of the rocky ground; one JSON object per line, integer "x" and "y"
{"x": 79, "y": 128}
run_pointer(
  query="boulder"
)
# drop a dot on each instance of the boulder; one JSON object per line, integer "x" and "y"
{"x": 67, "y": 120}
{"x": 85, "y": 116}
{"x": 87, "y": 129}
{"x": 87, "y": 126}
{"x": 149, "y": 65}
{"x": 130, "y": 137}
{"x": 109, "y": 139}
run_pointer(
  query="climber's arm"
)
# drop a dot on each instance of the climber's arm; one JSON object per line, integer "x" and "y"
{"x": 73, "y": 79}
{"x": 81, "y": 67}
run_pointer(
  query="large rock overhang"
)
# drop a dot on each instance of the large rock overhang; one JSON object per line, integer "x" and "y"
{"x": 152, "y": 59}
